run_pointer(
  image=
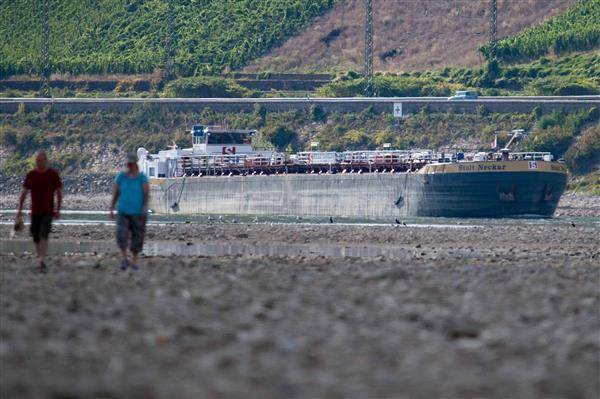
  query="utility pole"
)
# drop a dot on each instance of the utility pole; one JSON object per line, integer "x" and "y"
{"x": 368, "y": 48}
{"x": 169, "y": 61}
{"x": 45, "y": 69}
{"x": 493, "y": 29}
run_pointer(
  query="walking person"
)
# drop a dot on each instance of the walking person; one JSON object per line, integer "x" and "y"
{"x": 131, "y": 195}
{"x": 44, "y": 184}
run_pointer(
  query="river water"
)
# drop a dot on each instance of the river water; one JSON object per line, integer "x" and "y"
{"x": 101, "y": 217}
{"x": 232, "y": 248}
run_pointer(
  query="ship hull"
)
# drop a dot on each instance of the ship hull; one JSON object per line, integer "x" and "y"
{"x": 493, "y": 194}
{"x": 437, "y": 191}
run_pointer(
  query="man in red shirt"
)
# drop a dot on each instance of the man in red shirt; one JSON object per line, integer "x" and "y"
{"x": 43, "y": 183}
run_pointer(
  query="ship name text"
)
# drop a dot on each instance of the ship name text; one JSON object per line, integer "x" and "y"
{"x": 478, "y": 167}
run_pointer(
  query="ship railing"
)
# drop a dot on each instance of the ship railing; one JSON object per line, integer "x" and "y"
{"x": 530, "y": 156}
{"x": 512, "y": 156}
{"x": 318, "y": 157}
{"x": 349, "y": 161}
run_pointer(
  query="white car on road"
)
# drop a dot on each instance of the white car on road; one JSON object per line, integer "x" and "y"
{"x": 463, "y": 95}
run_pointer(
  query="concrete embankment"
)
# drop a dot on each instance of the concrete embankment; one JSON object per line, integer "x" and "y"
{"x": 410, "y": 105}
{"x": 369, "y": 196}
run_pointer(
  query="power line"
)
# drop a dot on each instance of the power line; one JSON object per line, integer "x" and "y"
{"x": 368, "y": 48}
{"x": 169, "y": 62}
{"x": 45, "y": 68}
{"x": 493, "y": 29}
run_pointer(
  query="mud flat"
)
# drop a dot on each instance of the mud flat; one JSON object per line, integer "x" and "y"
{"x": 495, "y": 312}
{"x": 81, "y": 202}
{"x": 578, "y": 205}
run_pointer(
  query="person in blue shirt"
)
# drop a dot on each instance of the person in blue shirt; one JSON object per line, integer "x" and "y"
{"x": 131, "y": 194}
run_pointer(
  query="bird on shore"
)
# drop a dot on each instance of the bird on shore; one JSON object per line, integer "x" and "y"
{"x": 399, "y": 222}
{"x": 330, "y": 219}
{"x": 573, "y": 224}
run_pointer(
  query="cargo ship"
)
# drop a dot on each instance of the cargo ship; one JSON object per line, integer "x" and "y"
{"x": 223, "y": 174}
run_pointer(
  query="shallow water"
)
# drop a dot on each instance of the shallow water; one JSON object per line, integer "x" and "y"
{"x": 101, "y": 217}
{"x": 167, "y": 248}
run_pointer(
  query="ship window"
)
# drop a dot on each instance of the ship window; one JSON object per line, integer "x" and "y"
{"x": 229, "y": 138}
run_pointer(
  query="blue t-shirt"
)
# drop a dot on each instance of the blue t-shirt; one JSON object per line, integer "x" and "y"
{"x": 131, "y": 193}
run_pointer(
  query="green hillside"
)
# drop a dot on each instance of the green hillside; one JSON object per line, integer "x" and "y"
{"x": 574, "y": 136}
{"x": 574, "y": 74}
{"x": 128, "y": 36}
{"x": 577, "y": 29}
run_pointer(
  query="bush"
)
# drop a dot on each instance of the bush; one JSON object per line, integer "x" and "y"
{"x": 17, "y": 165}
{"x": 390, "y": 86}
{"x": 8, "y": 138}
{"x": 555, "y": 131}
{"x": 317, "y": 113}
{"x": 280, "y": 136}
{"x": 205, "y": 86}
{"x": 71, "y": 162}
{"x": 584, "y": 155}
{"x": 555, "y": 139}
{"x": 563, "y": 86}
{"x": 356, "y": 139}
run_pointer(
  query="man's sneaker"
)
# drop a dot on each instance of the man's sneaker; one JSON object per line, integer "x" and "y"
{"x": 124, "y": 264}
{"x": 133, "y": 266}
{"x": 43, "y": 267}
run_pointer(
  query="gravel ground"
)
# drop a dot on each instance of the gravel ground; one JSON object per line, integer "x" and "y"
{"x": 494, "y": 312}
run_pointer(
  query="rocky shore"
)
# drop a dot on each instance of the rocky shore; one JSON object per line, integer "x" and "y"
{"x": 494, "y": 312}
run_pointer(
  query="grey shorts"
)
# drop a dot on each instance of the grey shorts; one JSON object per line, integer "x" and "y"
{"x": 130, "y": 232}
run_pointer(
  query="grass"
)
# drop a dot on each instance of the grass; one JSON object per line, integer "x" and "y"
{"x": 588, "y": 184}
{"x": 576, "y": 74}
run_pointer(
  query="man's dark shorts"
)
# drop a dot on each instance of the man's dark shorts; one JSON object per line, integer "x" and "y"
{"x": 40, "y": 227}
{"x": 130, "y": 232}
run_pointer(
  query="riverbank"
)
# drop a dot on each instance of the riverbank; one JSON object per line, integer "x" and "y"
{"x": 578, "y": 205}
{"x": 518, "y": 301}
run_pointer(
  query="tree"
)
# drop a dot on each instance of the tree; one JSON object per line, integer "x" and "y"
{"x": 280, "y": 136}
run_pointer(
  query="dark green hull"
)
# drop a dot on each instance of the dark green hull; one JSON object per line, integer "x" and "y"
{"x": 491, "y": 194}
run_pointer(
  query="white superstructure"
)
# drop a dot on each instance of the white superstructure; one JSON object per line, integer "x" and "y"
{"x": 211, "y": 145}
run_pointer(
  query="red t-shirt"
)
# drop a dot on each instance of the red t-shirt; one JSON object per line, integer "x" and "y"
{"x": 42, "y": 186}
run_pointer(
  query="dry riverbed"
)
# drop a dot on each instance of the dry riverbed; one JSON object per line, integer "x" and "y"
{"x": 495, "y": 312}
